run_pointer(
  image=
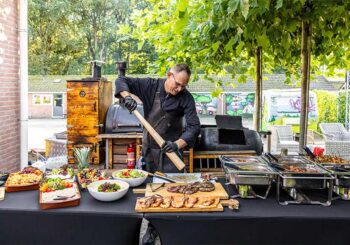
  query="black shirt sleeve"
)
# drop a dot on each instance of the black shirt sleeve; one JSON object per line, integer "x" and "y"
{"x": 135, "y": 86}
{"x": 192, "y": 128}
{"x": 144, "y": 88}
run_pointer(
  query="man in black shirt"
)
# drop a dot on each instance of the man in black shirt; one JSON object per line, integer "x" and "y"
{"x": 165, "y": 103}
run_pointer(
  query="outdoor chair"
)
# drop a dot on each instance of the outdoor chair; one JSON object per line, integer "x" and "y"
{"x": 334, "y": 131}
{"x": 337, "y": 139}
{"x": 283, "y": 137}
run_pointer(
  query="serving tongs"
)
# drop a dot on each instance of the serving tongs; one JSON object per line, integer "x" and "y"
{"x": 231, "y": 165}
{"x": 273, "y": 161}
{"x": 309, "y": 152}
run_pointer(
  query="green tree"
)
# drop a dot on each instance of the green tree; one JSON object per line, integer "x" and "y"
{"x": 224, "y": 35}
{"x": 65, "y": 35}
{"x": 51, "y": 47}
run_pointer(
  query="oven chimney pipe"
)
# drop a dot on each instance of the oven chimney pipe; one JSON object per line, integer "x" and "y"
{"x": 121, "y": 67}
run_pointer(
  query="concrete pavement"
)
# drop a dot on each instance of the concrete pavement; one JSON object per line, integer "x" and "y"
{"x": 41, "y": 129}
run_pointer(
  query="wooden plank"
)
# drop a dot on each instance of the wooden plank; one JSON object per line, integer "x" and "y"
{"x": 105, "y": 97}
{"x": 120, "y": 149}
{"x": 119, "y": 158}
{"x": 216, "y": 207}
{"x": 124, "y": 141}
{"x": 83, "y": 131}
{"x": 218, "y": 192}
{"x": 121, "y": 136}
{"x": 87, "y": 108}
{"x": 76, "y": 121}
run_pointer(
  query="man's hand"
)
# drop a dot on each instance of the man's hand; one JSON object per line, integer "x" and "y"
{"x": 169, "y": 147}
{"x": 130, "y": 103}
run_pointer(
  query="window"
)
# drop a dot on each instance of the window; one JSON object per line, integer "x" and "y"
{"x": 42, "y": 99}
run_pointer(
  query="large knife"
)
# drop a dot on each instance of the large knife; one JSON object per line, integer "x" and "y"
{"x": 162, "y": 177}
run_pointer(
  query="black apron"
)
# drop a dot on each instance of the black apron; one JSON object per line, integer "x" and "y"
{"x": 170, "y": 128}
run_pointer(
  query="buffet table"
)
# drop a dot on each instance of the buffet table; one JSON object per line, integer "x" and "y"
{"x": 257, "y": 222}
{"x": 92, "y": 222}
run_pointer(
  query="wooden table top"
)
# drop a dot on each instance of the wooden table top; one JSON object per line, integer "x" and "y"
{"x": 120, "y": 136}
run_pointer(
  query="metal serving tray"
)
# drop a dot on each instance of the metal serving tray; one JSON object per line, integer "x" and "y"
{"x": 247, "y": 174}
{"x": 297, "y": 175}
{"x": 241, "y": 159}
{"x": 340, "y": 173}
{"x": 299, "y": 172}
{"x": 253, "y": 171}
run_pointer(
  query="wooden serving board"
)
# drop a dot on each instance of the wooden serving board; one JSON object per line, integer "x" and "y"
{"x": 21, "y": 188}
{"x": 15, "y": 188}
{"x": 70, "y": 202}
{"x": 218, "y": 192}
{"x": 217, "y": 207}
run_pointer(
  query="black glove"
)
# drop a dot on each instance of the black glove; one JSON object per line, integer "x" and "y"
{"x": 169, "y": 147}
{"x": 130, "y": 103}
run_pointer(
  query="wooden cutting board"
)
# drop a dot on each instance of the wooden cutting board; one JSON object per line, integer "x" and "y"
{"x": 216, "y": 207}
{"x": 70, "y": 202}
{"x": 218, "y": 192}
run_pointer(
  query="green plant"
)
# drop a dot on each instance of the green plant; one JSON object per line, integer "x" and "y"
{"x": 81, "y": 156}
{"x": 342, "y": 107}
{"x": 327, "y": 106}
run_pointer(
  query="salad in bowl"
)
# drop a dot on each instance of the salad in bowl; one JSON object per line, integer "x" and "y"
{"x": 134, "y": 177}
{"x": 108, "y": 190}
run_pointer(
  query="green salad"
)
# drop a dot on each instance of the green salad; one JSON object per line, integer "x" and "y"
{"x": 130, "y": 173}
{"x": 108, "y": 187}
{"x": 64, "y": 170}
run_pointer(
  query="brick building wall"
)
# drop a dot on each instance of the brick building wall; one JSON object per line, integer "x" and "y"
{"x": 9, "y": 86}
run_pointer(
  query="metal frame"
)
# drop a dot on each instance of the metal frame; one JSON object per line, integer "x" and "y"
{"x": 297, "y": 193}
{"x": 251, "y": 178}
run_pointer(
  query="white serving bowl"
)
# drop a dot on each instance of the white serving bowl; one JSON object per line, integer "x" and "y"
{"x": 131, "y": 181}
{"x": 108, "y": 196}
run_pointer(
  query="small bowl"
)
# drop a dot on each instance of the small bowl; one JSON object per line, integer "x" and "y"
{"x": 131, "y": 181}
{"x": 108, "y": 196}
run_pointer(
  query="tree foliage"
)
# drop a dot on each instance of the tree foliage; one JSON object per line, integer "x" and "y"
{"x": 65, "y": 35}
{"x": 220, "y": 36}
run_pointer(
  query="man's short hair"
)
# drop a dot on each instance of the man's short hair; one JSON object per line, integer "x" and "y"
{"x": 181, "y": 67}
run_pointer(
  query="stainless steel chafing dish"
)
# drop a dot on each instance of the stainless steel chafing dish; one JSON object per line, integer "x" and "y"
{"x": 247, "y": 172}
{"x": 297, "y": 174}
{"x": 341, "y": 183}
